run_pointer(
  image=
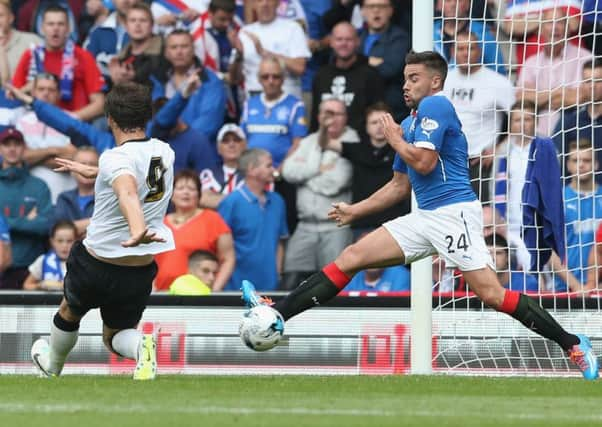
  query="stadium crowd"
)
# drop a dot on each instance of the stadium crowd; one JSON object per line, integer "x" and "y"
{"x": 272, "y": 109}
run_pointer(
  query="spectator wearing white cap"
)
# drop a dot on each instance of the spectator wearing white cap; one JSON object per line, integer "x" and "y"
{"x": 224, "y": 178}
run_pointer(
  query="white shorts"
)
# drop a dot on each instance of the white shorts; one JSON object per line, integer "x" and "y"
{"x": 454, "y": 231}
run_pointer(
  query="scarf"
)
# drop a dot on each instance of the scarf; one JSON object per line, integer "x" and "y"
{"x": 51, "y": 267}
{"x": 67, "y": 66}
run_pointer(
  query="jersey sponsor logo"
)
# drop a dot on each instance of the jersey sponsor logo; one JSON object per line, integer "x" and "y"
{"x": 273, "y": 129}
{"x": 428, "y": 126}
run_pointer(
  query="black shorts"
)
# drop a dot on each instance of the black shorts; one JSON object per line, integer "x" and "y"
{"x": 120, "y": 292}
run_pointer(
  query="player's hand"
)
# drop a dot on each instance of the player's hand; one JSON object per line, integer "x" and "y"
{"x": 142, "y": 238}
{"x": 393, "y": 132}
{"x": 341, "y": 213}
{"x": 66, "y": 165}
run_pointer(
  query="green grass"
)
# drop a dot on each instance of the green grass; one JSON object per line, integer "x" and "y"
{"x": 298, "y": 401}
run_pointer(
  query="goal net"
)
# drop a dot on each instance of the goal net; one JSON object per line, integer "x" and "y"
{"x": 526, "y": 81}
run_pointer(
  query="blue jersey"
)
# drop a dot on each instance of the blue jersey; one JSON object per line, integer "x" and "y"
{"x": 274, "y": 128}
{"x": 582, "y": 215}
{"x": 436, "y": 126}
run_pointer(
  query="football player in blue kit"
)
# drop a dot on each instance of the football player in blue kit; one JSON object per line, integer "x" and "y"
{"x": 432, "y": 159}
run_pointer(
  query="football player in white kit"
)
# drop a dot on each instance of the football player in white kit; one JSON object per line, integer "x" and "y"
{"x": 113, "y": 268}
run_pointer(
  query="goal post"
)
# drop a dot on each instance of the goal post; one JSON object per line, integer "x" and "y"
{"x": 421, "y": 271}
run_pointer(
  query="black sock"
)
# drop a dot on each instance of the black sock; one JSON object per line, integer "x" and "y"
{"x": 536, "y": 318}
{"x": 316, "y": 290}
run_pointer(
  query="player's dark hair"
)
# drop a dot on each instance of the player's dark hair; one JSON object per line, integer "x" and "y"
{"x": 378, "y": 107}
{"x": 188, "y": 174}
{"x": 63, "y": 225}
{"x": 198, "y": 256}
{"x": 56, "y": 8}
{"x": 129, "y": 105}
{"x": 228, "y": 6}
{"x": 431, "y": 60}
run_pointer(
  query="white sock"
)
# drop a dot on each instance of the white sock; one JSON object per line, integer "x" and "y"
{"x": 61, "y": 343}
{"x": 126, "y": 343}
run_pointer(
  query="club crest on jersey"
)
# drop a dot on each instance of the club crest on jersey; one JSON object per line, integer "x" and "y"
{"x": 282, "y": 113}
{"x": 428, "y": 126}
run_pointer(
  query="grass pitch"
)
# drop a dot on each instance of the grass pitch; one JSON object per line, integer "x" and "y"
{"x": 298, "y": 401}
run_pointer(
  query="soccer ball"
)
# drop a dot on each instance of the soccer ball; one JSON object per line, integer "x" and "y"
{"x": 261, "y": 328}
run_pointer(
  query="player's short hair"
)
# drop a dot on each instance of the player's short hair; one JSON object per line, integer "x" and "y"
{"x": 144, "y": 8}
{"x": 580, "y": 144}
{"x": 496, "y": 240}
{"x": 595, "y": 62}
{"x": 431, "y": 60}
{"x": 56, "y": 8}
{"x": 198, "y": 256}
{"x": 377, "y": 107}
{"x": 63, "y": 225}
{"x": 250, "y": 158}
{"x": 188, "y": 174}
{"x": 129, "y": 105}
{"x": 228, "y": 6}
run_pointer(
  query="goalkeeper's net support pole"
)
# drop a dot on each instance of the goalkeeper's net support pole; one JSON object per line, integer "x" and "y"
{"x": 421, "y": 342}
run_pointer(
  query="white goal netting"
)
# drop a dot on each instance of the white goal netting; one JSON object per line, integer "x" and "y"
{"x": 526, "y": 81}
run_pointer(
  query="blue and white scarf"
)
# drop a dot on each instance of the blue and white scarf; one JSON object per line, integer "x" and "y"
{"x": 51, "y": 267}
{"x": 67, "y": 68}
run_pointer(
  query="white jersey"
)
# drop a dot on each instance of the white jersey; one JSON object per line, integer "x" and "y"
{"x": 151, "y": 163}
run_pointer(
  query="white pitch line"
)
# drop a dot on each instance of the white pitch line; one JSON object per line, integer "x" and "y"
{"x": 19, "y": 407}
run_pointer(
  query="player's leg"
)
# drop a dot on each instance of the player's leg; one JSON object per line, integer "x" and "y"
{"x": 50, "y": 357}
{"x": 122, "y": 314}
{"x": 377, "y": 249}
{"x": 457, "y": 234}
{"x": 527, "y": 310}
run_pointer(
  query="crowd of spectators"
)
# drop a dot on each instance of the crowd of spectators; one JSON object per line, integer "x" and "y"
{"x": 272, "y": 108}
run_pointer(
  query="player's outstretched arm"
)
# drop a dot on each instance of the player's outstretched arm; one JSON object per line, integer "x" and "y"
{"x": 126, "y": 190}
{"x": 66, "y": 165}
{"x": 397, "y": 189}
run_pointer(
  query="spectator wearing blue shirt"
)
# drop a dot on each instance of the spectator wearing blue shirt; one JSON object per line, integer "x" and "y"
{"x": 110, "y": 37}
{"x": 582, "y": 214}
{"x": 391, "y": 279}
{"x": 205, "y": 109}
{"x": 275, "y": 121}
{"x": 585, "y": 121}
{"x": 509, "y": 276}
{"x": 25, "y": 202}
{"x": 385, "y": 45}
{"x": 257, "y": 219}
{"x": 6, "y": 256}
{"x": 77, "y": 205}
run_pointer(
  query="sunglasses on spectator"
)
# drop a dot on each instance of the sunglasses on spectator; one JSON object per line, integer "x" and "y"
{"x": 270, "y": 76}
